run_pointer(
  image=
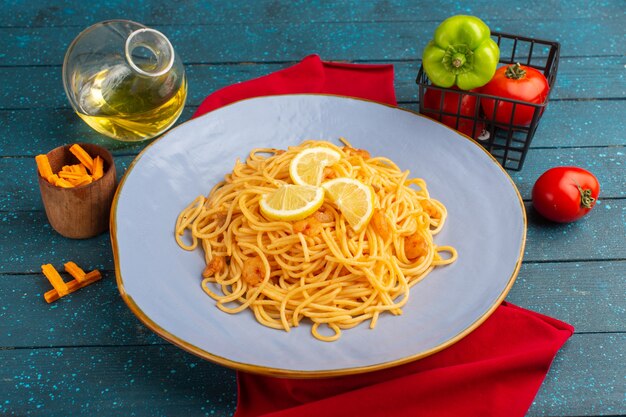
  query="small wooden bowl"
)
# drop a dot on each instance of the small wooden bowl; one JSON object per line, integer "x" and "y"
{"x": 79, "y": 212}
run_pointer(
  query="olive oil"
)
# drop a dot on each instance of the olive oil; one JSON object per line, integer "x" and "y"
{"x": 126, "y": 107}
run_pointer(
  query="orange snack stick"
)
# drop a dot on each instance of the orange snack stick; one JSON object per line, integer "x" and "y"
{"x": 60, "y": 182}
{"x": 55, "y": 279}
{"x": 53, "y": 294}
{"x": 52, "y": 179}
{"x": 74, "y": 285}
{"x": 43, "y": 165}
{"x": 85, "y": 179}
{"x": 70, "y": 175}
{"x": 98, "y": 167}
{"x": 80, "y": 169}
{"x": 91, "y": 277}
{"x": 82, "y": 156}
{"x": 75, "y": 271}
{"x": 85, "y": 172}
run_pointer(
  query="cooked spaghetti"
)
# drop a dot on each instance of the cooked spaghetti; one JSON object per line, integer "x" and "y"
{"x": 317, "y": 269}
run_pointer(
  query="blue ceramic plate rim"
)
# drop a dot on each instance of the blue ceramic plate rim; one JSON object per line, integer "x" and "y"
{"x": 182, "y": 164}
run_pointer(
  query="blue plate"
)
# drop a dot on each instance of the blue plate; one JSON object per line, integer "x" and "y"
{"x": 161, "y": 282}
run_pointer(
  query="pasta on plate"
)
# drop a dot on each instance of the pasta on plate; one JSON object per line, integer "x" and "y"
{"x": 318, "y": 268}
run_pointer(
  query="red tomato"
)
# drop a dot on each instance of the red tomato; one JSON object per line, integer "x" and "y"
{"x": 432, "y": 105}
{"x": 565, "y": 194}
{"x": 516, "y": 82}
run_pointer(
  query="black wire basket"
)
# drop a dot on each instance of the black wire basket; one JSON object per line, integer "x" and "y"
{"x": 508, "y": 143}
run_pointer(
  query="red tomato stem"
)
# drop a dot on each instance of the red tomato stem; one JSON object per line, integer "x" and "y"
{"x": 515, "y": 72}
{"x": 586, "y": 200}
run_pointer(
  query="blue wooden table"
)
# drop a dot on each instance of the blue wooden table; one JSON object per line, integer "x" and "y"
{"x": 88, "y": 355}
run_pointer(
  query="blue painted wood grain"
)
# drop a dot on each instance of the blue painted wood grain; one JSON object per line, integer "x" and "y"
{"x": 587, "y": 295}
{"x": 22, "y": 192}
{"x": 586, "y": 378}
{"x": 565, "y": 124}
{"x": 164, "y": 381}
{"x": 19, "y": 13}
{"x": 97, "y": 316}
{"x": 159, "y": 380}
{"x": 88, "y": 354}
{"x": 28, "y": 241}
{"x": 93, "y": 316}
{"x": 271, "y": 42}
{"x": 588, "y": 78}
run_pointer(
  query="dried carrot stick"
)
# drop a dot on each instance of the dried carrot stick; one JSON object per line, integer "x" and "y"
{"x": 55, "y": 279}
{"x": 52, "y": 179}
{"x": 53, "y": 294}
{"x": 73, "y": 285}
{"x": 85, "y": 179}
{"x": 91, "y": 277}
{"x": 43, "y": 165}
{"x": 70, "y": 175}
{"x": 98, "y": 168}
{"x": 80, "y": 169}
{"x": 75, "y": 271}
{"x": 60, "y": 182}
{"x": 85, "y": 172}
{"x": 82, "y": 156}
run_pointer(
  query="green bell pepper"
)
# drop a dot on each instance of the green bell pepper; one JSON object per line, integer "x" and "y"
{"x": 461, "y": 53}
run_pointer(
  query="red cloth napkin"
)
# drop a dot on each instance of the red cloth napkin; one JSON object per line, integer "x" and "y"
{"x": 312, "y": 75}
{"x": 494, "y": 371}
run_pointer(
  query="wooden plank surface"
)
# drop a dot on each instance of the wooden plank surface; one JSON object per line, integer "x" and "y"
{"x": 97, "y": 316}
{"x": 159, "y": 380}
{"x": 264, "y": 42}
{"x": 563, "y": 126}
{"x": 87, "y": 354}
{"x": 31, "y": 14}
{"x": 93, "y": 316}
{"x": 22, "y": 192}
{"x": 568, "y": 289}
{"x": 588, "y": 78}
{"x": 27, "y": 241}
{"x": 163, "y": 380}
{"x": 585, "y": 378}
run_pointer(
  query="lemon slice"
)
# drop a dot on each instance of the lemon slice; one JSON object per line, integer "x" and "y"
{"x": 307, "y": 167}
{"x": 292, "y": 202}
{"x": 353, "y": 198}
